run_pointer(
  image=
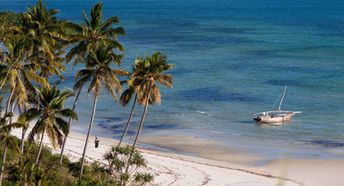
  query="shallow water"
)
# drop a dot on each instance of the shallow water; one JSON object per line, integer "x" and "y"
{"x": 232, "y": 59}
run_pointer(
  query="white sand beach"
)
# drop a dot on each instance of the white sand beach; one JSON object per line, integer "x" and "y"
{"x": 173, "y": 169}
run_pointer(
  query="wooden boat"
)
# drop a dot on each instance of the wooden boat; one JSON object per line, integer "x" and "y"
{"x": 275, "y": 117}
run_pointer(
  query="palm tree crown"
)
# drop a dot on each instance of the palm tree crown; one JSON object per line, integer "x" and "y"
{"x": 48, "y": 108}
{"x": 99, "y": 72}
{"x": 94, "y": 31}
{"x": 147, "y": 73}
{"x": 17, "y": 72}
{"x": 45, "y": 38}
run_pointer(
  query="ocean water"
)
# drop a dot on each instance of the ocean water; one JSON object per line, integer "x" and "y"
{"x": 233, "y": 58}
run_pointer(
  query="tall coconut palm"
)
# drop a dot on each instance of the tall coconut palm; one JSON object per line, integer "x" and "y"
{"x": 17, "y": 72}
{"x": 147, "y": 73}
{"x": 100, "y": 74}
{"x": 44, "y": 38}
{"x": 48, "y": 109}
{"x": 7, "y": 139}
{"x": 87, "y": 36}
{"x": 18, "y": 75}
{"x": 41, "y": 40}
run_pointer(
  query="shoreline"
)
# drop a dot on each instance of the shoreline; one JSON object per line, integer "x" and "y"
{"x": 177, "y": 169}
{"x": 199, "y": 147}
{"x": 304, "y": 171}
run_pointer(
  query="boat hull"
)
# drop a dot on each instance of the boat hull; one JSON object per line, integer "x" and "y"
{"x": 274, "y": 116}
{"x": 278, "y": 119}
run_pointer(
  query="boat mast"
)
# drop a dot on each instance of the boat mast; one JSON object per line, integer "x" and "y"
{"x": 280, "y": 104}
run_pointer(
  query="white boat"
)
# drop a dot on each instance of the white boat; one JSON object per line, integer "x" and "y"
{"x": 275, "y": 117}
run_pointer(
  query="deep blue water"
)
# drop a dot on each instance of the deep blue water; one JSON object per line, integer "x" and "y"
{"x": 232, "y": 59}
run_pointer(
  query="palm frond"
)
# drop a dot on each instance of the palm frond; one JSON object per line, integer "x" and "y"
{"x": 37, "y": 129}
{"x": 62, "y": 124}
{"x": 81, "y": 82}
{"x": 86, "y": 19}
{"x": 109, "y": 22}
{"x": 96, "y": 15}
{"x": 165, "y": 79}
{"x": 120, "y": 72}
{"x": 126, "y": 96}
{"x": 94, "y": 86}
{"x": 68, "y": 113}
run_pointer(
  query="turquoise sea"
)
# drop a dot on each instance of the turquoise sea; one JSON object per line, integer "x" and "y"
{"x": 233, "y": 58}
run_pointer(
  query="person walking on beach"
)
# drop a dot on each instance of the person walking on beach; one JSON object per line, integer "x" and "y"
{"x": 96, "y": 142}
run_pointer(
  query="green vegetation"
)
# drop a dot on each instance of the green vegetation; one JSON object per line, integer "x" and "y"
{"x": 21, "y": 169}
{"x": 32, "y": 60}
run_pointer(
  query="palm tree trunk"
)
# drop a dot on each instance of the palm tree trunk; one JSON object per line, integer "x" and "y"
{"x": 137, "y": 134}
{"x": 141, "y": 122}
{"x": 88, "y": 132}
{"x": 40, "y": 147}
{"x": 5, "y": 145}
{"x": 3, "y": 163}
{"x": 128, "y": 123}
{"x": 9, "y": 102}
{"x": 69, "y": 124}
{"x": 23, "y": 133}
{"x": 4, "y": 80}
{"x": 14, "y": 107}
{"x": 22, "y": 142}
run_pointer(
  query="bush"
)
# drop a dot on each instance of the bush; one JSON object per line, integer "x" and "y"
{"x": 21, "y": 170}
{"x": 124, "y": 165}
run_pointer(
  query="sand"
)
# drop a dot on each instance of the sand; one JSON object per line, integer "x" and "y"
{"x": 172, "y": 169}
{"x": 315, "y": 172}
{"x": 183, "y": 170}
{"x": 198, "y": 147}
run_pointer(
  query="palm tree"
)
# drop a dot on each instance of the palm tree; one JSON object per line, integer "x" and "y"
{"x": 7, "y": 139}
{"x": 99, "y": 72}
{"x": 147, "y": 73}
{"x": 88, "y": 36}
{"x": 39, "y": 41}
{"x": 17, "y": 72}
{"x": 43, "y": 37}
{"x": 48, "y": 108}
